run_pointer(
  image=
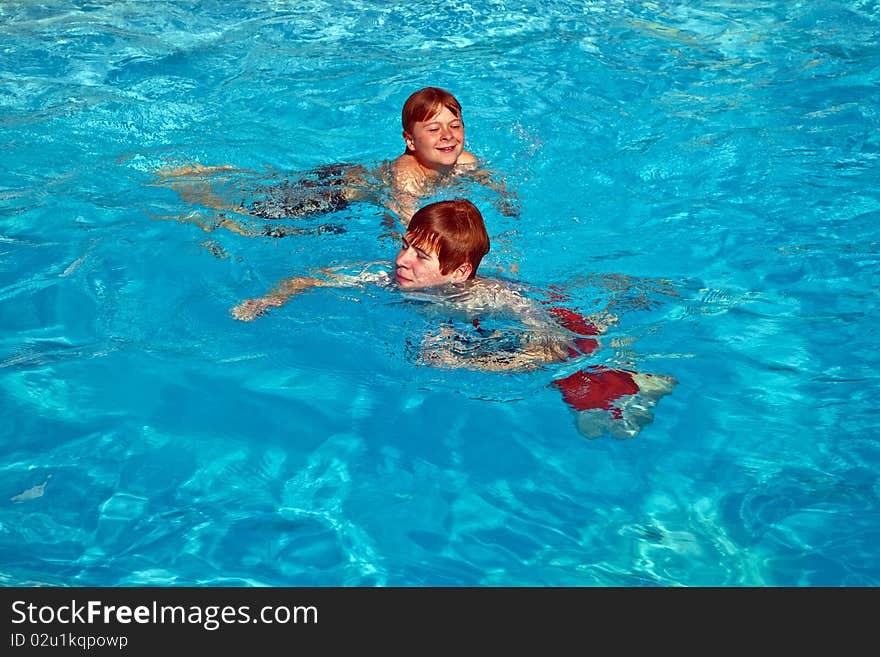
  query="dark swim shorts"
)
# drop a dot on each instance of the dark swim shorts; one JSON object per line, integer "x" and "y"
{"x": 319, "y": 191}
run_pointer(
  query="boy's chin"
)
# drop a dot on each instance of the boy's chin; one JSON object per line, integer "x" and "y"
{"x": 410, "y": 286}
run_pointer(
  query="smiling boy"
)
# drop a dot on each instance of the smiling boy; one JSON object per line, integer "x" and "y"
{"x": 434, "y": 156}
{"x": 433, "y": 132}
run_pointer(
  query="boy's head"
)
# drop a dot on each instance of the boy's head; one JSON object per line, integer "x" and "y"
{"x": 425, "y": 103}
{"x": 444, "y": 243}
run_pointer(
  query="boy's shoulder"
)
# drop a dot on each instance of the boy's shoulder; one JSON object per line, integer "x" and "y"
{"x": 406, "y": 175}
{"x": 500, "y": 292}
{"x": 405, "y": 165}
{"x": 466, "y": 157}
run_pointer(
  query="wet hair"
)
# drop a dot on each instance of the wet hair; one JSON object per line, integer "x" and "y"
{"x": 454, "y": 230}
{"x": 425, "y": 103}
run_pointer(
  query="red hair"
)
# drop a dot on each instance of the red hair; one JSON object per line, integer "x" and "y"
{"x": 454, "y": 230}
{"x": 425, "y": 103}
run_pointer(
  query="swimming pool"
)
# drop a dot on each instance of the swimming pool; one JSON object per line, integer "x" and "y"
{"x": 710, "y": 174}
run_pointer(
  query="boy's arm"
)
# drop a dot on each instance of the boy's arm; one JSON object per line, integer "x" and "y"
{"x": 252, "y": 308}
{"x": 441, "y": 350}
{"x": 407, "y": 188}
{"x": 403, "y": 204}
{"x": 507, "y": 202}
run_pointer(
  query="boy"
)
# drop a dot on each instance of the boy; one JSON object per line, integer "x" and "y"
{"x": 434, "y": 156}
{"x": 433, "y": 133}
{"x": 441, "y": 252}
{"x": 442, "y": 248}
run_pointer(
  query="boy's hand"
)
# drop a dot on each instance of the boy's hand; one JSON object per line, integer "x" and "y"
{"x": 252, "y": 308}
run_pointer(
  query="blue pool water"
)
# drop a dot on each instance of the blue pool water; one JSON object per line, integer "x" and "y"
{"x": 710, "y": 174}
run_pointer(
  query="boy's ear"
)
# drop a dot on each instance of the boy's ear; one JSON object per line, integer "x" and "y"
{"x": 407, "y": 138}
{"x": 462, "y": 272}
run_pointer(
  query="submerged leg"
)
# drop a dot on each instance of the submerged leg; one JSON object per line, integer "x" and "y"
{"x": 615, "y": 402}
{"x": 283, "y": 202}
{"x": 325, "y": 189}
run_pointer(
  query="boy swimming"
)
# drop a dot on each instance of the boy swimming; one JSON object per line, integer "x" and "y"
{"x": 438, "y": 259}
{"x": 433, "y": 157}
{"x": 433, "y": 132}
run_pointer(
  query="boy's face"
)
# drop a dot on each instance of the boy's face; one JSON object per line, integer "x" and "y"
{"x": 437, "y": 141}
{"x": 416, "y": 268}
